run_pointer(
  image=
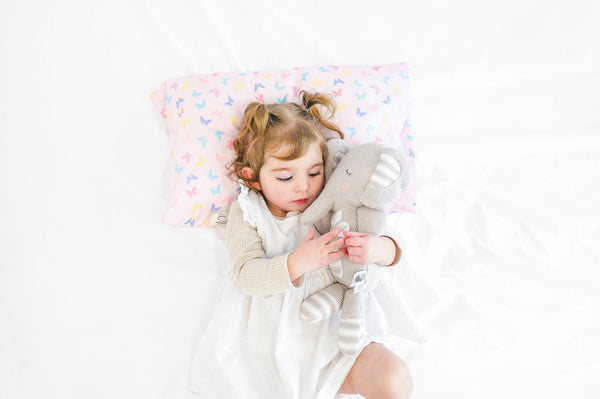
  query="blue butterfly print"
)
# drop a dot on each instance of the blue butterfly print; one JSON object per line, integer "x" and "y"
{"x": 304, "y": 75}
{"x": 360, "y": 114}
{"x": 409, "y": 137}
{"x": 191, "y": 177}
{"x": 190, "y": 221}
{"x": 196, "y": 94}
{"x": 386, "y": 79}
{"x": 169, "y": 98}
{"x": 203, "y": 140}
{"x": 219, "y": 133}
{"x": 406, "y": 124}
{"x": 357, "y": 84}
{"x": 177, "y": 168}
{"x": 179, "y": 101}
{"x": 338, "y": 80}
{"x": 205, "y": 121}
{"x": 230, "y": 102}
{"x": 368, "y": 129}
{"x": 352, "y": 131}
{"x": 257, "y": 85}
{"x": 411, "y": 153}
{"x": 323, "y": 69}
{"x": 211, "y": 176}
{"x": 403, "y": 75}
{"x": 201, "y": 105}
{"x": 214, "y": 208}
{"x": 278, "y": 87}
{"x": 225, "y": 81}
{"x": 387, "y": 101}
{"x": 282, "y": 100}
{"x": 216, "y": 191}
{"x": 361, "y": 96}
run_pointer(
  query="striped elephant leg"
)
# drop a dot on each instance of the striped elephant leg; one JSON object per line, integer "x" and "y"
{"x": 322, "y": 304}
{"x": 352, "y": 323}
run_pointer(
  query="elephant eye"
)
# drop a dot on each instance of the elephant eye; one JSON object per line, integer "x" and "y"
{"x": 348, "y": 172}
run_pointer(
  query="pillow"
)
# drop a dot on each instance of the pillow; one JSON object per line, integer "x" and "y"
{"x": 203, "y": 114}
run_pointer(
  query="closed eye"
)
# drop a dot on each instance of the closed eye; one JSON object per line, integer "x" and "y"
{"x": 348, "y": 172}
{"x": 285, "y": 178}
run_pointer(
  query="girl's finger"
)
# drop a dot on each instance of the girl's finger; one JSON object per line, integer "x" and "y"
{"x": 333, "y": 245}
{"x": 333, "y": 256}
{"x": 331, "y": 235}
{"x": 310, "y": 235}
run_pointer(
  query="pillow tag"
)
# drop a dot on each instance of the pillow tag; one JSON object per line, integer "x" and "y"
{"x": 218, "y": 219}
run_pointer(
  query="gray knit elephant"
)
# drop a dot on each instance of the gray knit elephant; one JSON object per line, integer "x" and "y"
{"x": 361, "y": 182}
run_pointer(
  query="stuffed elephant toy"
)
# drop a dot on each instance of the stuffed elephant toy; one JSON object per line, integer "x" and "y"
{"x": 361, "y": 183}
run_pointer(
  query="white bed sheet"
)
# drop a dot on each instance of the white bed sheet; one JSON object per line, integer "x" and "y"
{"x": 99, "y": 300}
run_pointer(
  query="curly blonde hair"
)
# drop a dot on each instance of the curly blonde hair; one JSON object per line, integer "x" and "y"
{"x": 287, "y": 126}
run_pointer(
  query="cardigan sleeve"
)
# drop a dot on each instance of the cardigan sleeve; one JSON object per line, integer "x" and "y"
{"x": 254, "y": 273}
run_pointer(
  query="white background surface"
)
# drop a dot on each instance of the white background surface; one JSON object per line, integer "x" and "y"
{"x": 99, "y": 300}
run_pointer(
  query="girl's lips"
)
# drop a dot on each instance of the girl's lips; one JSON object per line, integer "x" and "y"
{"x": 301, "y": 201}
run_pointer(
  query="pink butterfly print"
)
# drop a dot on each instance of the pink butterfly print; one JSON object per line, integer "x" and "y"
{"x": 260, "y": 98}
{"x": 187, "y": 156}
{"x": 205, "y": 81}
{"x": 286, "y": 75}
{"x": 296, "y": 90}
{"x": 337, "y": 93}
{"x": 376, "y": 88}
{"x": 218, "y": 113}
{"x": 174, "y": 86}
{"x": 378, "y": 140}
{"x": 220, "y": 158}
{"x": 163, "y": 113}
{"x": 229, "y": 145}
{"x": 367, "y": 73}
{"x": 180, "y": 112}
{"x": 191, "y": 192}
{"x": 215, "y": 91}
{"x": 377, "y": 68}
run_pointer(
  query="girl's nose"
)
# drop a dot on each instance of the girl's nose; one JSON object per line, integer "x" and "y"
{"x": 301, "y": 185}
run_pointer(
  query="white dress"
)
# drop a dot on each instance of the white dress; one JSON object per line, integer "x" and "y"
{"x": 257, "y": 346}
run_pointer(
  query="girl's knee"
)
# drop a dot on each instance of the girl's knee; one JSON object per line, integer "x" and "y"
{"x": 396, "y": 381}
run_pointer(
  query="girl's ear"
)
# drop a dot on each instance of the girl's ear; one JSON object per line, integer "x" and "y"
{"x": 250, "y": 177}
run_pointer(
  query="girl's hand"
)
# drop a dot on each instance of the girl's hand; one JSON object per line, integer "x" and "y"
{"x": 365, "y": 248}
{"x": 313, "y": 254}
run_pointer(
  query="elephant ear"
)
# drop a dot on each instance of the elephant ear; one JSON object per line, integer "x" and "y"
{"x": 337, "y": 149}
{"x": 389, "y": 180}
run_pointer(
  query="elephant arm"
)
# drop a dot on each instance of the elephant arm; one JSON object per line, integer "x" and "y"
{"x": 371, "y": 220}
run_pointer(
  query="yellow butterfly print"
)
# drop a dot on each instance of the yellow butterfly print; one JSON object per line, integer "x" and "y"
{"x": 185, "y": 122}
{"x": 268, "y": 76}
{"x": 341, "y": 106}
{"x": 201, "y": 162}
{"x": 196, "y": 207}
{"x": 385, "y": 119}
{"x": 239, "y": 86}
{"x": 234, "y": 120}
{"x": 347, "y": 72}
{"x": 186, "y": 86}
{"x": 317, "y": 82}
{"x": 398, "y": 89}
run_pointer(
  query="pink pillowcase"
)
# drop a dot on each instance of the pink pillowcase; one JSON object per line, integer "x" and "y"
{"x": 203, "y": 114}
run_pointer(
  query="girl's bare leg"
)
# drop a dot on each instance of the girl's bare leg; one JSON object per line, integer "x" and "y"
{"x": 378, "y": 373}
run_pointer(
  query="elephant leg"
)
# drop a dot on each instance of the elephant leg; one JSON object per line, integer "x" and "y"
{"x": 352, "y": 323}
{"x": 322, "y": 304}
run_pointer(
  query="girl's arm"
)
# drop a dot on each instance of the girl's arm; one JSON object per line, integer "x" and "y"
{"x": 254, "y": 273}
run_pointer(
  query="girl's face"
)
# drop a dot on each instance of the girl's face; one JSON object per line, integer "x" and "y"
{"x": 291, "y": 185}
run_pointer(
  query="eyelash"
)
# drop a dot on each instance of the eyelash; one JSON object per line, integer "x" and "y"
{"x": 290, "y": 178}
